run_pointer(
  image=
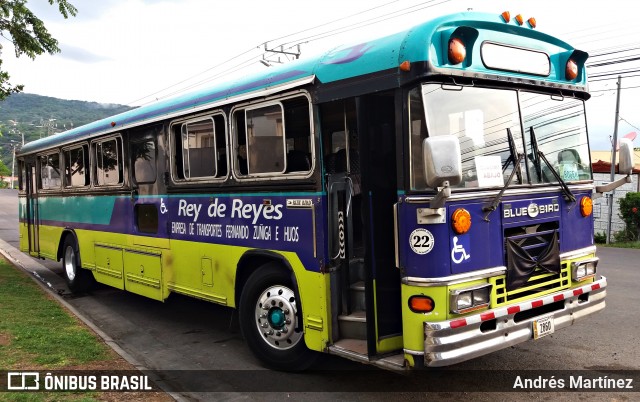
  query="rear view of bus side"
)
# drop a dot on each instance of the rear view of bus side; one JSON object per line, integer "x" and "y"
{"x": 416, "y": 200}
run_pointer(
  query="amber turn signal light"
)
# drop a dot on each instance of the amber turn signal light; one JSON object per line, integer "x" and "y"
{"x": 421, "y": 304}
{"x": 586, "y": 206}
{"x": 461, "y": 221}
{"x": 457, "y": 51}
{"x": 571, "y": 72}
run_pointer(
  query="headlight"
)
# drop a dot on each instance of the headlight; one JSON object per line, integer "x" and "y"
{"x": 585, "y": 269}
{"x": 469, "y": 299}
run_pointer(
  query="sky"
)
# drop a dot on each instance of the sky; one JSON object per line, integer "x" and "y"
{"x": 135, "y": 52}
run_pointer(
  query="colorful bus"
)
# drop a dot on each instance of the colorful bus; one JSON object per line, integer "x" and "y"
{"x": 412, "y": 201}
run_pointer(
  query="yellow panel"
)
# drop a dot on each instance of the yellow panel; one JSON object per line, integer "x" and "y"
{"x": 143, "y": 273}
{"x": 108, "y": 266}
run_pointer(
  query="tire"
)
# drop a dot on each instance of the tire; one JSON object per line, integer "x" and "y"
{"x": 271, "y": 320}
{"x": 78, "y": 279}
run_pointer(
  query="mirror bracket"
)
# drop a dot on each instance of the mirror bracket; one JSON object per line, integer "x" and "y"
{"x": 438, "y": 201}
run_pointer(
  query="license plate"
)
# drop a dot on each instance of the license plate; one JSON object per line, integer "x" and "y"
{"x": 543, "y": 326}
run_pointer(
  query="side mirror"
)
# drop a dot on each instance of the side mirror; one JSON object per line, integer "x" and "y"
{"x": 626, "y": 156}
{"x": 625, "y": 167}
{"x": 442, "y": 160}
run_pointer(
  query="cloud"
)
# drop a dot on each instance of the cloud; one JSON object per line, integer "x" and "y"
{"x": 79, "y": 54}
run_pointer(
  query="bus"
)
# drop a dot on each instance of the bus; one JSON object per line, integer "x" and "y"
{"x": 412, "y": 201}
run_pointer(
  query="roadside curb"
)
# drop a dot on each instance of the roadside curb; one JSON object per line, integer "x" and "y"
{"x": 32, "y": 267}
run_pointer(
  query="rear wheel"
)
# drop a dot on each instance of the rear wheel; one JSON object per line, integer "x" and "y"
{"x": 271, "y": 319}
{"x": 78, "y": 279}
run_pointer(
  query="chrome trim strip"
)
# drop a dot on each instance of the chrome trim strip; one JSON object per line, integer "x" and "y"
{"x": 578, "y": 253}
{"x": 313, "y": 223}
{"x": 453, "y": 279}
{"x": 395, "y": 234}
{"x": 414, "y": 352}
{"x": 419, "y": 199}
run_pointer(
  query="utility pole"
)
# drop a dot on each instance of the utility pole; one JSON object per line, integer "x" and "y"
{"x": 13, "y": 165}
{"x": 613, "y": 160}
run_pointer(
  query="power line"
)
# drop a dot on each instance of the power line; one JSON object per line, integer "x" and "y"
{"x": 318, "y": 36}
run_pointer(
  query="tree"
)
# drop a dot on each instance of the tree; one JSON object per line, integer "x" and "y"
{"x": 4, "y": 172}
{"x": 630, "y": 214}
{"x": 28, "y": 35}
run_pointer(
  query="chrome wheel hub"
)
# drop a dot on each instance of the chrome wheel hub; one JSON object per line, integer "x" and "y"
{"x": 276, "y": 317}
{"x": 70, "y": 263}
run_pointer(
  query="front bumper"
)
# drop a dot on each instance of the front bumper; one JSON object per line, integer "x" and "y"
{"x": 454, "y": 341}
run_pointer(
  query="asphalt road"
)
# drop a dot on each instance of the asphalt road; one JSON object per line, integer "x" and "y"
{"x": 196, "y": 346}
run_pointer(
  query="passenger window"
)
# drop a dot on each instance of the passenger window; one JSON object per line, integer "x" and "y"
{"x": 143, "y": 155}
{"x": 76, "y": 163}
{"x": 265, "y": 140}
{"x": 109, "y": 162}
{"x": 200, "y": 149}
{"x": 273, "y": 139}
{"x": 50, "y": 177}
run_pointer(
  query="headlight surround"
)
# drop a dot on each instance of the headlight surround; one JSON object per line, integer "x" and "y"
{"x": 469, "y": 299}
{"x": 585, "y": 269}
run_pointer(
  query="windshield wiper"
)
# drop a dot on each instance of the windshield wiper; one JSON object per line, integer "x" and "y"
{"x": 535, "y": 158}
{"x": 540, "y": 155}
{"x": 496, "y": 201}
{"x": 513, "y": 154}
{"x": 514, "y": 157}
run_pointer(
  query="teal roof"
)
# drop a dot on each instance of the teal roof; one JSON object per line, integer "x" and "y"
{"x": 423, "y": 43}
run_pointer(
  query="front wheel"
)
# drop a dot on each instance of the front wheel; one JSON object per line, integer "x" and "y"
{"x": 78, "y": 279}
{"x": 271, "y": 320}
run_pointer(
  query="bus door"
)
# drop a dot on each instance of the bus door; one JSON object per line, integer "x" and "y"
{"x": 143, "y": 260}
{"x": 378, "y": 130}
{"x": 342, "y": 167}
{"x": 31, "y": 216}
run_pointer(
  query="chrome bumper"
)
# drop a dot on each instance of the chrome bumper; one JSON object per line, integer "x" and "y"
{"x": 454, "y": 341}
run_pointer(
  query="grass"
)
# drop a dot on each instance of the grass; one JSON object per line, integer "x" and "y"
{"x": 37, "y": 334}
{"x": 629, "y": 244}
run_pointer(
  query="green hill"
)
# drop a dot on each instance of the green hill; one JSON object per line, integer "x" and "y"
{"x": 38, "y": 116}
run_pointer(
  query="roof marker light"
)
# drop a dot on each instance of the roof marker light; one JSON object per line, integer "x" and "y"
{"x": 113, "y": 124}
{"x": 532, "y": 22}
{"x": 506, "y": 16}
{"x": 457, "y": 51}
{"x": 519, "y": 19}
{"x": 571, "y": 71}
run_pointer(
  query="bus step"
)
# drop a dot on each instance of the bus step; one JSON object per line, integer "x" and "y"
{"x": 356, "y": 270}
{"x": 353, "y": 326}
{"x": 356, "y": 350}
{"x": 357, "y": 296}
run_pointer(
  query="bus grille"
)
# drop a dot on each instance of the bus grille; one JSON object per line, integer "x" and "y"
{"x": 534, "y": 239}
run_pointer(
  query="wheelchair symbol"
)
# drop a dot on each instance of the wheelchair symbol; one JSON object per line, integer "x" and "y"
{"x": 458, "y": 253}
{"x": 163, "y": 207}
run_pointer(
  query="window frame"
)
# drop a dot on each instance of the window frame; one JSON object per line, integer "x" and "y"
{"x": 39, "y": 181}
{"x": 172, "y": 147}
{"x": 94, "y": 161}
{"x": 87, "y": 167}
{"x": 278, "y": 99}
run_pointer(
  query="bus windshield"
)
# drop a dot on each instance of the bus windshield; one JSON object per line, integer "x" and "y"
{"x": 487, "y": 121}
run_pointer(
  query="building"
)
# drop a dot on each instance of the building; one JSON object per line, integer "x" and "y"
{"x": 602, "y": 175}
